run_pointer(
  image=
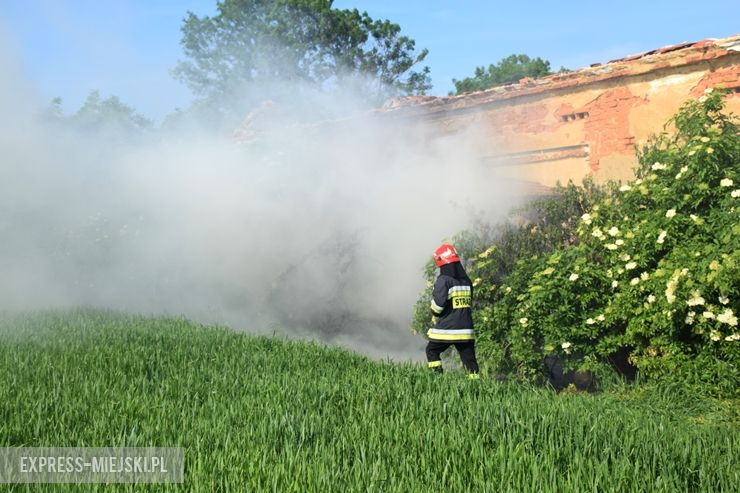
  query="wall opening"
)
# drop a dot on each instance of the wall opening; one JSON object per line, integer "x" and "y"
{"x": 571, "y": 117}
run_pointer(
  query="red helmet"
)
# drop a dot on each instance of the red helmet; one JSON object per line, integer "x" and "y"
{"x": 445, "y": 254}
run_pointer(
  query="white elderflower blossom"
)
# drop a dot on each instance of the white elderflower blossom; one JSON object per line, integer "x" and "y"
{"x": 630, "y": 265}
{"x": 601, "y": 317}
{"x": 724, "y": 300}
{"x": 714, "y": 335}
{"x": 710, "y": 150}
{"x": 661, "y": 237}
{"x": 713, "y": 265}
{"x": 680, "y": 173}
{"x": 694, "y": 217}
{"x": 573, "y": 277}
{"x": 735, "y": 193}
{"x": 619, "y": 242}
{"x": 625, "y": 188}
{"x": 670, "y": 286}
{"x": 597, "y": 233}
{"x": 524, "y": 321}
{"x": 615, "y": 284}
{"x": 727, "y": 317}
{"x": 726, "y": 182}
{"x": 733, "y": 337}
{"x": 658, "y": 166}
{"x": 634, "y": 281}
{"x": 508, "y": 289}
{"x": 690, "y": 318}
{"x": 586, "y": 218}
{"x": 670, "y": 213}
{"x": 625, "y": 257}
{"x": 708, "y": 315}
{"x": 611, "y": 246}
{"x": 644, "y": 276}
{"x": 613, "y": 231}
{"x": 566, "y": 347}
{"x": 696, "y": 299}
{"x": 590, "y": 321}
{"x": 651, "y": 299}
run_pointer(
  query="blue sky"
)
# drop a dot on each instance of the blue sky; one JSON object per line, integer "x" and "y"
{"x": 127, "y": 47}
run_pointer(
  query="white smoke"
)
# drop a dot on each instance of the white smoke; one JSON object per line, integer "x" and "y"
{"x": 312, "y": 230}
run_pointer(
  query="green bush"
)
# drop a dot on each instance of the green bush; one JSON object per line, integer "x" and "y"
{"x": 491, "y": 252}
{"x": 649, "y": 267}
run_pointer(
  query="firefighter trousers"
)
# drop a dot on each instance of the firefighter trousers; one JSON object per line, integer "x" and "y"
{"x": 466, "y": 349}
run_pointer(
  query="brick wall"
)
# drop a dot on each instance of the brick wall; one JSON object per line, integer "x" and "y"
{"x": 567, "y": 126}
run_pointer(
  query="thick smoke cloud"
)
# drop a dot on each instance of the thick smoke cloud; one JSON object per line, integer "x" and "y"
{"x": 311, "y": 230}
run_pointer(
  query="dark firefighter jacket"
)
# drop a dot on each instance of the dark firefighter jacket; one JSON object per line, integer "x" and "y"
{"x": 451, "y": 300}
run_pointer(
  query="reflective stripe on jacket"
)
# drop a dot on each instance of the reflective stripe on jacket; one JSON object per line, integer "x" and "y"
{"x": 451, "y": 301}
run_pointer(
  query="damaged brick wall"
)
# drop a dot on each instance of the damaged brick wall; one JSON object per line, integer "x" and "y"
{"x": 727, "y": 77}
{"x": 607, "y": 128}
{"x": 567, "y": 126}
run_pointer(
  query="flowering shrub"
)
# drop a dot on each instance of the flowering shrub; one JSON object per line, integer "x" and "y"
{"x": 653, "y": 269}
{"x": 494, "y": 251}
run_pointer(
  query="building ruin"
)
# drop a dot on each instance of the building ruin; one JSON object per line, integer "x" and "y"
{"x": 567, "y": 126}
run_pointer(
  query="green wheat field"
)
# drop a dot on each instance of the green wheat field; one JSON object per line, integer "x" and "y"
{"x": 269, "y": 414}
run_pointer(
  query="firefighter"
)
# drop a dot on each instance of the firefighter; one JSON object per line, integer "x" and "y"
{"x": 451, "y": 301}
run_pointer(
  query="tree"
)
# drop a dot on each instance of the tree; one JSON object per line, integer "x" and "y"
{"x": 509, "y": 70}
{"x": 108, "y": 114}
{"x": 53, "y": 112}
{"x": 253, "y": 49}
